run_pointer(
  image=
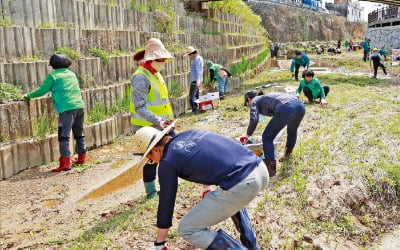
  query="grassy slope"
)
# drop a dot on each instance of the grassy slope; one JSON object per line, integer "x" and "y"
{"x": 358, "y": 132}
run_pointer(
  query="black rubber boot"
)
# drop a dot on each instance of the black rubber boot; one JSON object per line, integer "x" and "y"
{"x": 271, "y": 166}
{"x": 288, "y": 152}
{"x": 247, "y": 235}
{"x": 224, "y": 242}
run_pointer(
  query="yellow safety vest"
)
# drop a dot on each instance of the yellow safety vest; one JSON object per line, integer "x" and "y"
{"x": 157, "y": 99}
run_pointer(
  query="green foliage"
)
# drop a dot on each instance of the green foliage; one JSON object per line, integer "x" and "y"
{"x": 100, "y": 53}
{"x": 112, "y": 3}
{"x": 46, "y": 25}
{"x": 5, "y": 22}
{"x": 71, "y": 53}
{"x": 175, "y": 89}
{"x": 245, "y": 64}
{"x": 240, "y": 9}
{"x": 117, "y": 52}
{"x": 9, "y": 92}
{"x": 24, "y": 58}
{"x": 43, "y": 126}
{"x": 97, "y": 113}
{"x": 164, "y": 15}
{"x": 207, "y": 32}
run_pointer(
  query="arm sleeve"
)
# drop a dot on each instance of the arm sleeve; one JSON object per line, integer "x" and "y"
{"x": 140, "y": 89}
{"x": 298, "y": 90}
{"x": 168, "y": 180}
{"x": 321, "y": 89}
{"x": 45, "y": 87}
{"x": 211, "y": 75}
{"x": 199, "y": 68}
{"x": 253, "y": 119}
{"x": 292, "y": 66}
{"x": 307, "y": 60}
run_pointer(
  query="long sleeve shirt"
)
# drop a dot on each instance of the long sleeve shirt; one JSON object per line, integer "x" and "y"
{"x": 196, "y": 70}
{"x": 202, "y": 157}
{"x": 304, "y": 61}
{"x": 314, "y": 85}
{"x": 64, "y": 87}
{"x": 376, "y": 58}
{"x": 140, "y": 90}
{"x": 266, "y": 105}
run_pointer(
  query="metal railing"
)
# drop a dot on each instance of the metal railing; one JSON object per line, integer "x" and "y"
{"x": 384, "y": 14}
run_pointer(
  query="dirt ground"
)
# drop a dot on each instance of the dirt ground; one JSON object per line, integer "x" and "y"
{"x": 43, "y": 210}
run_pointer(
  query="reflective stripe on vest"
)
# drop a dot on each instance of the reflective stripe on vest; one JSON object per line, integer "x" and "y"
{"x": 157, "y": 101}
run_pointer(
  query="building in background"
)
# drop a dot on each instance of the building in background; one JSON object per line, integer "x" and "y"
{"x": 350, "y": 9}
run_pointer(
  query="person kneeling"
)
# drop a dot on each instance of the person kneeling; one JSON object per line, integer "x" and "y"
{"x": 312, "y": 88}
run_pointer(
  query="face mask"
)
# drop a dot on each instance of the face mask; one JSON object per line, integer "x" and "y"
{"x": 158, "y": 65}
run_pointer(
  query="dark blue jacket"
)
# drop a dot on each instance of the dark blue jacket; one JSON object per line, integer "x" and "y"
{"x": 202, "y": 157}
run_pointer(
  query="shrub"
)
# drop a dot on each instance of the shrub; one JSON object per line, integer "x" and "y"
{"x": 175, "y": 89}
{"x": 9, "y": 92}
{"x": 5, "y": 22}
{"x": 69, "y": 52}
{"x": 100, "y": 53}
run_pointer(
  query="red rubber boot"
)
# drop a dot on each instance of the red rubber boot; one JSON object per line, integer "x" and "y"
{"x": 81, "y": 159}
{"x": 65, "y": 165}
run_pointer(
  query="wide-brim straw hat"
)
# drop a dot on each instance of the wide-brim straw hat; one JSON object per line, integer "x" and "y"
{"x": 375, "y": 50}
{"x": 190, "y": 50}
{"x": 155, "y": 49}
{"x": 145, "y": 139}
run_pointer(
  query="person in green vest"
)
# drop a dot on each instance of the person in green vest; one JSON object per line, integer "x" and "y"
{"x": 299, "y": 59}
{"x": 383, "y": 53}
{"x": 366, "y": 47}
{"x": 67, "y": 100}
{"x": 150, "y": 104}
{"x": 312, "y": 88}
{"x": 220, "y": 74}
{"x": 347, "y": 45}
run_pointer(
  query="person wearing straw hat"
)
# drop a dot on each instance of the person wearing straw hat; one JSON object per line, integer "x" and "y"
{"x": 196, "y": 76}
{"x": 206, "y": 158}
{"x": 149, "y": 105}
{"x": 377, "y": 61}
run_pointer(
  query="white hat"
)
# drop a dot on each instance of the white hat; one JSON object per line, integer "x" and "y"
{"x": 190, "y": 50}
{"x": 145, "y": 139}
{"x": 375, "y": 49}
{"x": 154, "y": 50}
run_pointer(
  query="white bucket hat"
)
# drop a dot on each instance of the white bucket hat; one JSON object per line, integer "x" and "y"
{"x": 190, "y": 50}
{"x": 145, "y": 139}
{"x": 154, "y": 50}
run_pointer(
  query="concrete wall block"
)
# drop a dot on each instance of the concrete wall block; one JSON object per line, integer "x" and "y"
{"x": 45, "y": 150}
{"x": 24, "y": 119}
{"x": 23, "y": 158}
{"x": 41, "y": 72}
{"x": 21, "y": 78}
{"x": 97, "y": 134}
{"x": 109, "y": 128}
{"x": 32, "y": 79}
{"x": 4, "y": 124}
{"x": 9, "y": 42}
{"x": 54, "y": 147}
{"x": 7, "y": 160}
{"x": 48, "y": 40}
{"x": 34, "y": 155}
{"x": 103, "y": 133}
{"x": 89, "y": 139}
{"x": 13, "y": 118}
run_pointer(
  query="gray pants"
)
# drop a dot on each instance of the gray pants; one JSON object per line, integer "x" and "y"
{"x": 71, "y": 119}
{"x": 219, "y": 205}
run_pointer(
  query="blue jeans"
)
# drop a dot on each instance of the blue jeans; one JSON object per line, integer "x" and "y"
{"x": 219, "y": 205}
{"x": 67, "y": 121}
{"x": 222, "y": 84}
{"x": 290, "y": 115}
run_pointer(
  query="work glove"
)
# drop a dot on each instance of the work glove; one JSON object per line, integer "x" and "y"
{"x": 243, "y": 139}
{"x": 160, "y": 246}
{"x": 165, "y": 123}
{"x": 205, "y": 191}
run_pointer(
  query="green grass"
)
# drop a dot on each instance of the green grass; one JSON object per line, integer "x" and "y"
{"x": 5, "y": 22}
{"x": 43, "y": 126}
{"x": 175, "y": 90}
{"x": 9, "y": 92}
{"x": 71, "y": 53}
{"x": 100, "y": 53}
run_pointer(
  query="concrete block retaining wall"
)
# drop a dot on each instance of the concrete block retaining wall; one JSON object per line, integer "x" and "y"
{"x": 17, "y": 42}
{"x": 17, "y": 156}
{"x": 100, "y": 14}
